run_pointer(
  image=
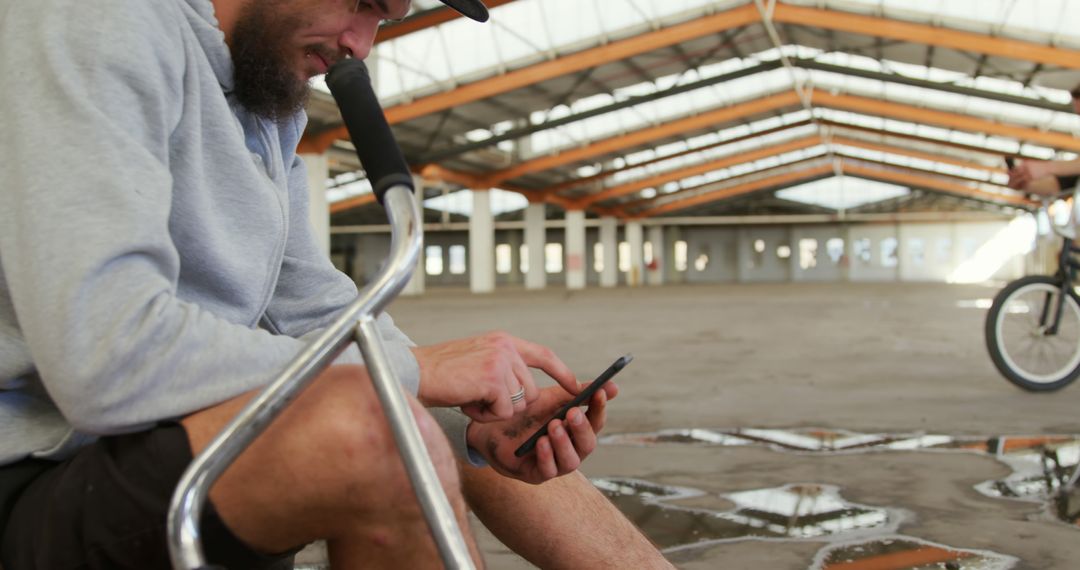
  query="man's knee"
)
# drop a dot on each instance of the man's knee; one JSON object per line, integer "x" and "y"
{"x": 329, "y": 459}
{"x": 357, "y": 442}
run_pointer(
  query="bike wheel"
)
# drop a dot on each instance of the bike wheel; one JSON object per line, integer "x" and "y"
{"x": 1016, "y": 334}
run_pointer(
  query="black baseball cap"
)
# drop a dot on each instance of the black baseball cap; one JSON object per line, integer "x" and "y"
{"x": 474, "y": 9}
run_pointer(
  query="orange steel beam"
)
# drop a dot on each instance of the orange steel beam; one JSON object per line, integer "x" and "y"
{"x": 317, "y": 144}
{"x": 427, "y": 20}
{"x": 882, "y": 148}
{"x": 625, "y": 208}
{"x": 643, "y": 136}
{"x": 350, "y": 203}
{"x": 895, "y": 174}
{"x": 911, "y": 177}
{"x": 944, "y": 175}
{"x": 924, "y": 34}
{"x": 593, "y": 57}
{"x": 962, "y": 122}
{"x": 701, "y": 168}
{"x": 737, "y": 190}
{"x": 599, "y": 176}
{"x": 929, "y": 140}
{"x": 436, "y": 172}
{"x": 913, "y": 154}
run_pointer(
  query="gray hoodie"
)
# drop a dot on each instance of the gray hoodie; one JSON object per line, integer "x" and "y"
{"x": 155, "y": 253}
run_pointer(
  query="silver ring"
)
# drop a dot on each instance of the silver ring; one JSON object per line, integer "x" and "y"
{"x": 518, "y": 396}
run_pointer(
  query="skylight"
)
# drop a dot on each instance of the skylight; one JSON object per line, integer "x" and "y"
{"x": 461, "y": 202}
{"x": 842, "y": 192}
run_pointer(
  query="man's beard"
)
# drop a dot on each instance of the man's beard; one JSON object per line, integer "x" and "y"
{"x": 265, "y": 82}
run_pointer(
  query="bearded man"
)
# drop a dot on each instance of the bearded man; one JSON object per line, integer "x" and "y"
{"x": 157, "y": 269}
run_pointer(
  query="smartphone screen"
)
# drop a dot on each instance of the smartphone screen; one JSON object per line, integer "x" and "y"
{"x": 578, "y": 400}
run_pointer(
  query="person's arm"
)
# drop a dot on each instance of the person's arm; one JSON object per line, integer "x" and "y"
{"x": 1038, "y": 176}
{"x": 84, "y": 229}
{"x": 1055, "y": 167}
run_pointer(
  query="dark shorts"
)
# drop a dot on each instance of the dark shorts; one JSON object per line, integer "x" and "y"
{"x": 106, "y": 508}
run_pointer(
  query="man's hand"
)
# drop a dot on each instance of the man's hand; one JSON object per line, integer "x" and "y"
{"x": 1029, "y": 171}
{"x": 567, "y": 444}
{"x": 481, "y": 373}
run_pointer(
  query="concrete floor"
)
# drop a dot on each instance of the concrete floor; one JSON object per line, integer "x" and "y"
{"x": 861, "y": 357}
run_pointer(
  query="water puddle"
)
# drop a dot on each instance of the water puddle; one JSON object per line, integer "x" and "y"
{"x": 1042, "y": 465}
{"x": 802, "y": 511}
{"x": 901, "y": 552}
{"x": 975, "y": 303}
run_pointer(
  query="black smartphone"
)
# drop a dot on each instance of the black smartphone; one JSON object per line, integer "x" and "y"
{"x": 578, "y": 400}
{"x": 1009, "y": 162}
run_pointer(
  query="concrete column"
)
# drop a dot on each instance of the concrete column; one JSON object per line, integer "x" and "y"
{"x": 672, "y": 234}
{"x": 416, "y": 285}
{"x": 481, "y": 244}
{"x": 609, "y": 243}
{"x": 535, "y": 278}
{"x": 515, "y": 239}
{"x": 655, "y": 272}
{"x": 849, "y": 253}
{"x": 575, "y": 249}
{"x": 318, "y": 170}
{"x": 635, "y": 240}
{"x": 743, "y": 254}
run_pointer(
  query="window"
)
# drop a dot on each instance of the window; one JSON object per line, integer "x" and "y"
{"x": 757, "y": 258}
{"x": 647, "y": 255}
{"x": 553, "y": 257}
{"x": 433, "y": 260}
{"x": 835, "y": 249}
{"x": 457, "y": 259}
{"x": 888, "y": 252}
{"x": 503, "y": 261}
{"x": 680, "y": 256}
{"x": 917, "y": 247}
{"x": 624, "y": 257}
{"x": 701, "y": 261}
{"x": 862, "y": 250}
{"x": 808, "y": 253}
{"x": 598, "y": 257}
{"x": 783, "y": 251}
{"x": 944, "y": 250}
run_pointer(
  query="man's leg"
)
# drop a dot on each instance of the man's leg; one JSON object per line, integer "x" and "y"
{"x": 563, "y": 523}
{"x": 328, "y": 468}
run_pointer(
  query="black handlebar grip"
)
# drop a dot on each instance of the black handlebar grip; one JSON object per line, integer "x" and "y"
{"x": 379, "y": 153}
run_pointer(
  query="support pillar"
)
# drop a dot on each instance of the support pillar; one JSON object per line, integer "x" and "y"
{"x": 416, "y": 284}
{"x": 535, "y": 278}
{"x": 672, "y": 235}
{"x": 655, "y": 270}
{"x": 481, "y": 244}
{"x": 635, "y": 240}
{"x": 609, "y": 244}
{"x": 516, "y": 240}
{"x": 318, "y": 170}
{"x": 575, "y": 249}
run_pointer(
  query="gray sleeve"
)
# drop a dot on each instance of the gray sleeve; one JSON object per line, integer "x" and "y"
{"x": 311, "y": 293}
{"x": 88, "y": 258}
{"x": 454, "y": 423}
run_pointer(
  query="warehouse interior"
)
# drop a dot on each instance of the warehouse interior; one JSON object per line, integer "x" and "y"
{"x": 793, "y": 213}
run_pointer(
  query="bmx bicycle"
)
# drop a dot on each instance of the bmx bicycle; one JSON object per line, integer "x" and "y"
{"x": 1033, "y": 327}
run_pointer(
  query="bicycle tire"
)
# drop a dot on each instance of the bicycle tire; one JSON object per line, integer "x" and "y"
{"x": 1007, "y": 347}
